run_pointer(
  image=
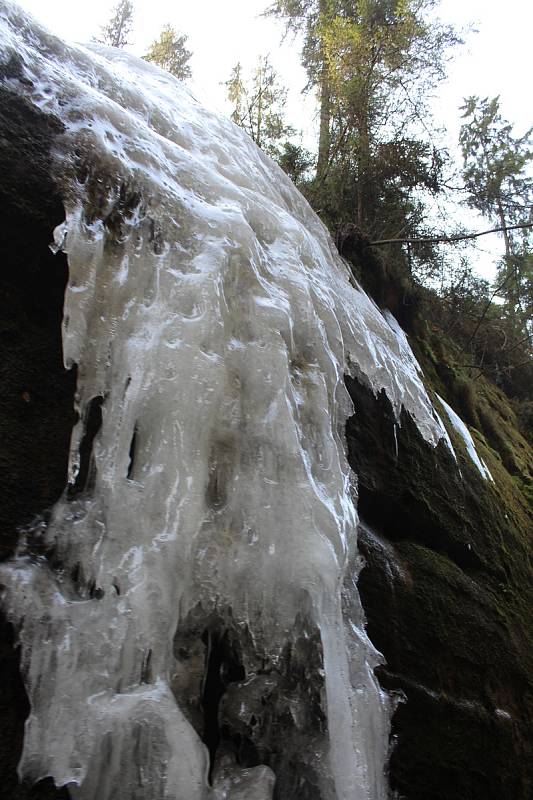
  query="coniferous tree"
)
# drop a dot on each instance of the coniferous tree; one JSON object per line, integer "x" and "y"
{"x": 497, "y": 176}
{"x": 237, "y": 95}
{"x": 495, "y": 165}
{"x": 258, "y": 105}
{"x": 117, "y": 30}
{"x": 374, "y": 63}
{"x": 312, "y": 18}
{"x": 296, "y": 161}
{"x": 170, "y": 53}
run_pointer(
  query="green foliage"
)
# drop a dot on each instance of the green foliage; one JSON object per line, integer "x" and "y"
{"x": 497, "y": 175}
{"x": 170, "y": 53}
{"x": 495, "y": 163}
{"x": 524, "y": 415}
{"x": 296, "y": 161}
{"x": 258, "y": 106}
{"x": 491, "y": 341}
{"x": 375, "y": 63}
{"x": 237, "y": 94}
{"x": 117, "y": 30}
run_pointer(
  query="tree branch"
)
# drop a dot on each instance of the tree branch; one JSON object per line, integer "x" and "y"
{"x": 452, "y": 239}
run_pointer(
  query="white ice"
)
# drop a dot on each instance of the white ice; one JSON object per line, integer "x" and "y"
{"x": 412, "y": 363}
{"x": 466, "y": 436}
{"x": 207, "y": 306}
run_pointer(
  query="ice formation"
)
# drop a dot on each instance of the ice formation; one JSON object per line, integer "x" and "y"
{"x": 204, "y": 553}
{"x": 458, "y": 425}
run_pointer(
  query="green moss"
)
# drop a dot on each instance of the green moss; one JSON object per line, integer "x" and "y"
{"x": 449, "y": 599}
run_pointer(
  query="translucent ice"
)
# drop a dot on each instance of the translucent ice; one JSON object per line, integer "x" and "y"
{"x": 466, "y": 436}
{"x": 205, "y": 551}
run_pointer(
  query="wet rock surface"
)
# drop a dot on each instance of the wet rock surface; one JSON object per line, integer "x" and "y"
{"x": 447, "y": 594}
{"x": 36, "y": 393}
{"x": 250, "y": 712}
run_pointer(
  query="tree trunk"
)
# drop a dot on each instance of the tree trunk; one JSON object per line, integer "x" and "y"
{"x": 324, "y": 140}
{"x": 506, "y": 239}
{"x": 512, "y": 293}
{"x": 324, "y": 137}
{"x": 362, "y": 169}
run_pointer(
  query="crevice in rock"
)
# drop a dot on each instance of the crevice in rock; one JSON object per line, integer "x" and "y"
{"x": 87, "y": 470}
{"x": 222, "y": 668}
{"x": 133, "y": 446}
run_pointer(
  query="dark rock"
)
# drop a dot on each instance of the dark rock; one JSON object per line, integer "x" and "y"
{"x": 447, "y": 594}
{"x": 248, "y": 710}
{"x": 36, "y": 393}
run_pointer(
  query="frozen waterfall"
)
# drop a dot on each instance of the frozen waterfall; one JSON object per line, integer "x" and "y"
{"x": 194, "y": 630}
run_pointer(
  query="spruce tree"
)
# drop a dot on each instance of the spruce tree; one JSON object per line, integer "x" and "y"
{"x": 374, "y": 63}
{"x": 312, "y": 18}
{"x": 117, "y": 30}
{"x": 237, "y": 95}
{"x": 497, "y": 174}
{"x": 258, "y": 105}
{"x": 170, "y": 53}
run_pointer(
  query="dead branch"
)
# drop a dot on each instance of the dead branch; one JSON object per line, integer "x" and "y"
{"x": 461, "y": 237}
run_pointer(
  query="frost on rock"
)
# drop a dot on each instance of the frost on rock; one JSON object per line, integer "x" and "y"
{"x": 458, "y": 425}
{"x": 191, "y": 628}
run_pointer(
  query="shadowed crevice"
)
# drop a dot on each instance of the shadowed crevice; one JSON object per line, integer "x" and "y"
{"x": 36, "y": 392}
{"x": 87, "y": 471}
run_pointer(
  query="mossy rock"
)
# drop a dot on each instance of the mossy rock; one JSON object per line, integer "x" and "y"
{"x": 448, "y": 591}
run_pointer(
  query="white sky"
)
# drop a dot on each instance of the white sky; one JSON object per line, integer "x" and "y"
{"x": 495, "y": 60}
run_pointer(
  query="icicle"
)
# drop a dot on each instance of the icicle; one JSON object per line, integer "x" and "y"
{"x": 466, "y": 436}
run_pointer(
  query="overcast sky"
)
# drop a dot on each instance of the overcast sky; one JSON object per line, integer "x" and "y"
{"x": 495, "y": 60}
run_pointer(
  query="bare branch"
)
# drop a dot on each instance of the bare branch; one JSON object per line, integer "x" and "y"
{"x": 452, "y": 239}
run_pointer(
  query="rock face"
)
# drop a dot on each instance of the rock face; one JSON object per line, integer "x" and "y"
{"x": 241, "y": 656}
{"x": 36, "y": 392}
{"x": 447, "y": 593}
